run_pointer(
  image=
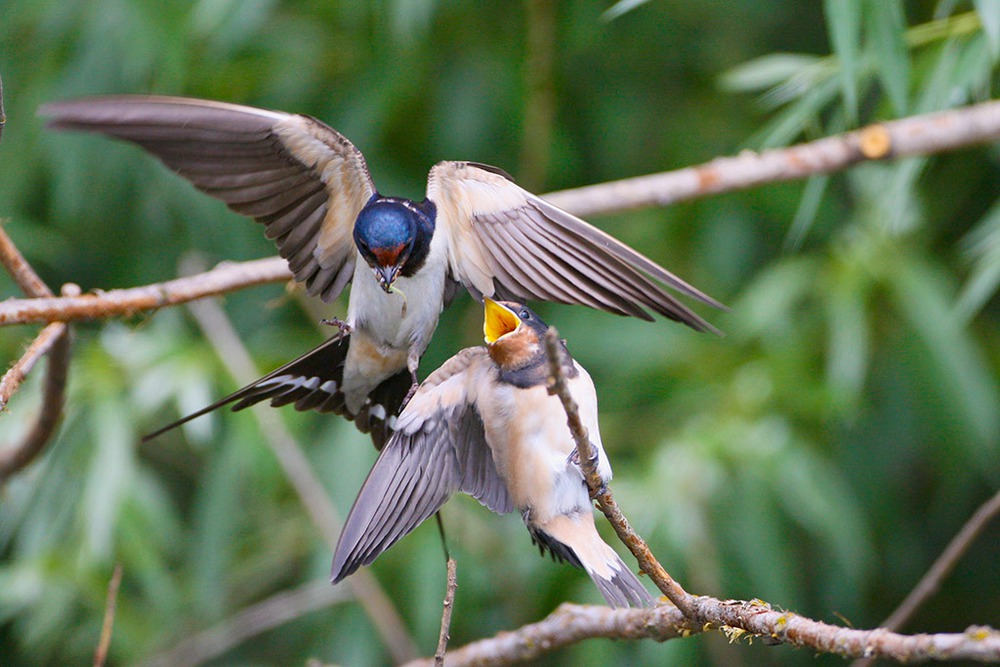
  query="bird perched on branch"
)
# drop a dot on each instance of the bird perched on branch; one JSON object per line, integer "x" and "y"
{"x": 484, "y": 424}
{"x": 311, "y": 189}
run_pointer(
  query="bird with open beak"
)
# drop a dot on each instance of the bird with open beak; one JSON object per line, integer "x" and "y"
{"x": 484, "y": 424}
{"x": 310, "y": 188}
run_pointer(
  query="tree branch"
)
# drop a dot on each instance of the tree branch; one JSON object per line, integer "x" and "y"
{"x": 225, "y": 277}
{"x": 571, "y": 624}
{"x": 54, "y": 340}
{"x": 3, "y": 116}
{"x": 449, "y": 607}
{"x": 104, "y": 645}
{"x": 600, "y": 492}
{"x": 915, "y": 135}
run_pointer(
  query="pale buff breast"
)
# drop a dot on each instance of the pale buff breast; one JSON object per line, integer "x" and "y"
{"x": 527, "y": 431}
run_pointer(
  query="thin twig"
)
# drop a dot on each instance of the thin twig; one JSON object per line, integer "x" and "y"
{"x": 915, "y": 135}
{"x": 3, "y": 116}
{"x": 377, "y": 605}
{"x": 263, "y": 616}
{"x": 449, "y": 607}
{"x": 942, "y": 567}
{"x": 571, "y": 624}
{"x": 599, "y": 491}
{"x": 226, "y": 277}
{"x": 101, "y": 654}
{"x": 18, "y": 267}
{"x": 54, "y": 339}
{"x": 39, "y": 347}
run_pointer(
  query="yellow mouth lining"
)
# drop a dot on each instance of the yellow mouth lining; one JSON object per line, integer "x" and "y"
{"x": 498, "y": 321}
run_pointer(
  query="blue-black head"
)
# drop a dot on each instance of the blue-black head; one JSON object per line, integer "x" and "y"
{"x": 394, "y": 235}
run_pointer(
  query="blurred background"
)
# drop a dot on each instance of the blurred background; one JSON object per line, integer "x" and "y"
{"x": 819, "y": 456}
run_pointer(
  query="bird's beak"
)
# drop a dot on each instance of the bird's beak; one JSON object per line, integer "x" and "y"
{"x": 499, "y": 321}
{"x": 386, "y": 276}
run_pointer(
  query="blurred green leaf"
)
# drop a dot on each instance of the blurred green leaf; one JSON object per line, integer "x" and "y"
{"x": 844, "y": 20}
{"x": 767, "y": 71}
{"x": 885, "y": 23}
{"x": 621, "y": 8}
{"x": 961, "y": 376}
{"x": 989, "y": 15}
{"x": 982, "y": 247}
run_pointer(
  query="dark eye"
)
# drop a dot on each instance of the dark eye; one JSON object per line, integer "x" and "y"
{"x": 524, "y": 314}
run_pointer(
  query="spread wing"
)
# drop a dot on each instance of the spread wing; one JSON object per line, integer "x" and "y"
{"x": 439, "y": 448}
{"x": 303, "y": 180}
{"x": 505, "y": 242}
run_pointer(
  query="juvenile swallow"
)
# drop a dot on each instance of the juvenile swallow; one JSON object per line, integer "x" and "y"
{"x": 311, "y": 189}
{"x": 484, "y": 424}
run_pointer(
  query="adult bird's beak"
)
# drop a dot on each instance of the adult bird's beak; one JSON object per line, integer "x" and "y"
{"x": 386, "y": 276}
{"x": 499, "y": 320}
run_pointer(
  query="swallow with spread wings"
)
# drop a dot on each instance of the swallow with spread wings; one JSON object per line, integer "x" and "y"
{"x": 311, "y": 189}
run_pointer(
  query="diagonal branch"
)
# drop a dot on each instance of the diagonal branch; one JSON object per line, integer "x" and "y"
{"x": 54, "y": 340}
{"x": 600, "y": 492}
{"x": 914, "y": 135}
{"x": 3, "y": 116}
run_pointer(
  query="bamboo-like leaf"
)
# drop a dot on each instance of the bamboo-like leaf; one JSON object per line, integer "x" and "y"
{"x": 805, "y": 215}
{"x": 963, "y": 379}
{"x": 620, "y": 8}
{"x": 766, "y": 71}
{"x": 989, "y": 16}
{"x": 848, "y": 351}
{"x": 843, "y": 18}
{"x": 885, "y": 23}
{"x": 983, "y": 247}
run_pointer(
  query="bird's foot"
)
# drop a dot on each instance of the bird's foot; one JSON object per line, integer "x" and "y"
{"x": 574, "y": 456}
{"x": 343, "y": 327}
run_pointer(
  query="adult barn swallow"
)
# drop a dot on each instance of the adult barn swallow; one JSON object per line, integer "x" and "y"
{"x": 484, "y": 424}
{"x": 311, "y": 189}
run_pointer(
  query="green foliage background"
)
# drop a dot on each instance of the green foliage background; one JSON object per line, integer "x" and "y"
{"x": 819, "y": 456}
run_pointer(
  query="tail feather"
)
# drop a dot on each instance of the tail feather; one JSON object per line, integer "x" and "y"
{"x": 622, "y": 588}
{"x": 574, "y": 538}
{"x": 313, "y": 382}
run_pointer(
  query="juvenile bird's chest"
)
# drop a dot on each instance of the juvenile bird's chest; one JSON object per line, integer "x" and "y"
{"x": 404, "y": 318}
{"x": 527, "y": 432}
